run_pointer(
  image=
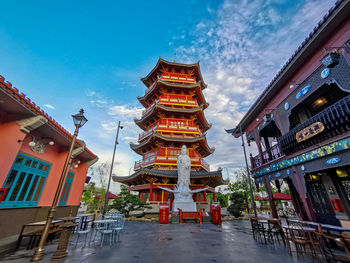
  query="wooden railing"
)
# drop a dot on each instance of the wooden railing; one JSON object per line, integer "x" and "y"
{"x": 175, "y": 128}
{"x": 170, "y": 160}
{"x": 181, "y": 100}
{"x": 268, "y": 155}
{"x": 335, "y": 119}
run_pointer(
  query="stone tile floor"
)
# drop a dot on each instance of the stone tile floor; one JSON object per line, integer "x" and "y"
{"x": 153, "y": 242}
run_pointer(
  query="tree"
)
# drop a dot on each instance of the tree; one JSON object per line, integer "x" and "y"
{"x": 99, "y": 173}
{"x": 127, "y": 202}
{"x": 220, "y": 197}
{"x": 237, "y": 205}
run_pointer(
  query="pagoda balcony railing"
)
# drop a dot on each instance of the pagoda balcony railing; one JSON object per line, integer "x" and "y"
{"x": 177, "y": 77}
{"x": 330, "y": 122}
{"x": 170, "y": 161}
{"x": 170, "y": 128}
{"x": 147, "y": 133}
{"x": 144, "y": 112}
{"x": 205, "y": 165}
{"x": 181, "y": 100}
{"x": 269, "y": 155}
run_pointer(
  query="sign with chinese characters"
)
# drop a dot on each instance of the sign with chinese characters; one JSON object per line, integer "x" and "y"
{"x": 309, "y": 131}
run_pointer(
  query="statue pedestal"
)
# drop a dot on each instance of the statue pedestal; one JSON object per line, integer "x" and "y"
{"x": 185, "y": 206}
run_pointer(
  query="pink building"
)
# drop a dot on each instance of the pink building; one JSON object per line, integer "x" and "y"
{"x": 33, "y": 149}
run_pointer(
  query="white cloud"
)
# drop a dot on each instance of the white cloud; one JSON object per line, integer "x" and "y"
{"x": 240, "y": 50}
{"x": 49, "y": 106}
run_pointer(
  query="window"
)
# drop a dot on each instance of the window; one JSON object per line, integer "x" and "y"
{"x": 66, "y": 189}
{"x": 25, "y": 182}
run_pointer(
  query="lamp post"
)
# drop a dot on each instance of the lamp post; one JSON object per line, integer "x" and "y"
{"x": 79, "y": 120}
{"x": 248, "y": 173}
{"x": 110, "y": 173}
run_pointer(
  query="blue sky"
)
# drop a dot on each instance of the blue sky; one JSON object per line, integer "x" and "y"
{"x": 67, "y": 55}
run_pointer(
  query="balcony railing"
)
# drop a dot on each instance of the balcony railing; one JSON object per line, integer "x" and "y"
{"x": 268, "y": 155}
{"x": 175, "y": 128}
{"x": 170, "y": 160}
{"x": 335, "y": 119}
{"x": 181, "y": 100}
{"x": 205, "y": 165}
{"x": 144, "y": 112}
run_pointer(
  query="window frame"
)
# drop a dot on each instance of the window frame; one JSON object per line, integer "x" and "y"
{"x": 66, "y": 191}
{"x": 28, "y": 170}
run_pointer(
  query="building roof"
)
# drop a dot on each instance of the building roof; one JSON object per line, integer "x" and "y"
{"x": 201, "y": 139}
{"x": 28, "y": 109}
{"x": 214, "y": 176}
{"x": 156, "y": 106}
{"x": 160, "y": 82}
{"x": 163, "y": 62}
{"x": 319, "y": 34}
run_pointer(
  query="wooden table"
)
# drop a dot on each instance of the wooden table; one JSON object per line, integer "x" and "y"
{"x": 326, "y": 227}
{"x": 309, "y": 231}
{"x": 54, "y": 223}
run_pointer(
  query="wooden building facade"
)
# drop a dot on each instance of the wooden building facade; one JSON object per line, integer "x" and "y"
{"x": 301, "y": 124}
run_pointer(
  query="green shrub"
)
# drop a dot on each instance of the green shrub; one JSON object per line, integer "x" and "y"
{"x": 237, "y": 205}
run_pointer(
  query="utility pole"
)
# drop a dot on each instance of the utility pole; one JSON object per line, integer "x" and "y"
{"x": 110, "y": 173}
{"x": 248, "y": 173}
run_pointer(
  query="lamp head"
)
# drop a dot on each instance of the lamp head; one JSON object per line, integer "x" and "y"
{"x": 79, "y": 119}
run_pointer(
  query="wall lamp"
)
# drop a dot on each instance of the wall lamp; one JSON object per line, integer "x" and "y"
{"x": 39, "y": 145}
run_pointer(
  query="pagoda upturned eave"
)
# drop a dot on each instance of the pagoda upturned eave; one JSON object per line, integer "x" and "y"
{"x": 199, "y": 111}
{"x": 201, "y": 139}
{"x": 160, "y": 83}
{"x": 213, "y": 178}
{"x": 152, "y": 75}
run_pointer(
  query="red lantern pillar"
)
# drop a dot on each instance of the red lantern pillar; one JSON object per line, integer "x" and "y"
{"x": 214, "y": 196}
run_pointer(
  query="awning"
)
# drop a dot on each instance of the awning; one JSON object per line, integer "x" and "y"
{"x": 110, "y": 196}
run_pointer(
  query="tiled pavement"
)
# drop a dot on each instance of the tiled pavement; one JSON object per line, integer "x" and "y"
{"x": 152, "y": 242}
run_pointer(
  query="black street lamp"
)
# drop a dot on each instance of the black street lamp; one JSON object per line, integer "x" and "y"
{"x": 79, "y": 120}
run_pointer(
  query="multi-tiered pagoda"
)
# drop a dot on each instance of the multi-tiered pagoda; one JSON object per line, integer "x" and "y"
{"x": 173, "y": 116}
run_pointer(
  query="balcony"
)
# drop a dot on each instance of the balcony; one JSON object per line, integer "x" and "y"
{"x": 146, "y": 133}
{"x": 330, "y": 122}
{"x": 205, "y": 165}
{"x": 178, "y": 100}
{"x": 268, "y": 155}
{"x": 177, "y": 77}
{"x": 169, "y": 160}
{"x": 171, "y": 127}
{"x": 144, "y": 112}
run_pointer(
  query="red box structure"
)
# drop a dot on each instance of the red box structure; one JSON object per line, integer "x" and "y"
{"x": 336, "y": 205}
{"x": 2, "y": 193}
{"x": 216, "y": 213}
{"x": 163, "y": 214}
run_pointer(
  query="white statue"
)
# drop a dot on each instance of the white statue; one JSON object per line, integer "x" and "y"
{"x": 182, "y": 193}
{"x": 183, "y": 167}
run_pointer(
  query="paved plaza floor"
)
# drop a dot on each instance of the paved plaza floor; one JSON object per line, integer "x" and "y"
{"x": 153, "y": 242}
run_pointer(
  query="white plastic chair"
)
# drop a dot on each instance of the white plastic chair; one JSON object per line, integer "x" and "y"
{"x": 118, "y": 227}
{"x": 80, "y": 230}
{"x": 104, "y": 230}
